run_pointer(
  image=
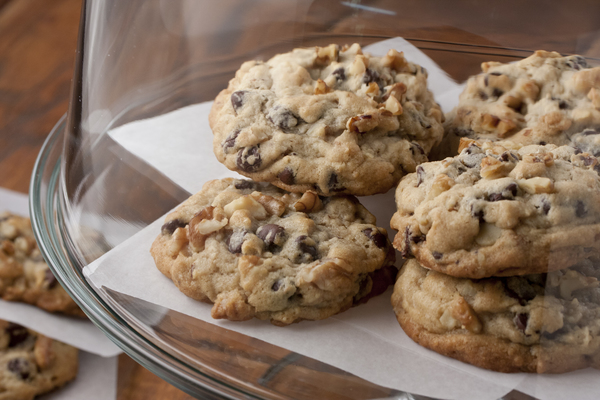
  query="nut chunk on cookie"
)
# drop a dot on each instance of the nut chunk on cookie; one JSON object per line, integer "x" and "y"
{"x": 24, "y": 276}
{"x": 500, "y": 209}
{"x": 32, "y": 364}
{"x": 544, "y": 323}
{"x": 254, "y": 250}
{"x": 328, "y": 119}
{"x": 544, "y": 98}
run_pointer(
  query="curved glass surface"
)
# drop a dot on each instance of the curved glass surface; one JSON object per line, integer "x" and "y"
{"x": 144, "y": 58}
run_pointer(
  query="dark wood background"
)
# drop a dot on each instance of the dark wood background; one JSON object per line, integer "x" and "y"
{"x": 37, "y": 51}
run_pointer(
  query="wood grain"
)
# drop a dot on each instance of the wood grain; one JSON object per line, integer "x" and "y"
{"x": 37, "y": 48}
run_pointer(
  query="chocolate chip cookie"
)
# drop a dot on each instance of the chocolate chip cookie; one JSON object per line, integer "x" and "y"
{"x": 544, "y": 323}
{"x": 32, "y": 364}
{"x": 254, "y": 250}
{"x": 328, "y": 119}
{"x": 501, "y": 209}
{"x": 544, "y": 98}
{"x": 24, "y": 276}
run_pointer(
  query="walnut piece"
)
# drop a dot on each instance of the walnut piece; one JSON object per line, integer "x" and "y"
{"x": 309, "y": 202}
{"x": 271, "y": 204}
{"x": 462, "y": 311}
{"x": 257, "y": 211}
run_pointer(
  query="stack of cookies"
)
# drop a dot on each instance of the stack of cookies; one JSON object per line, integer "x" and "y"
{"x": 30, "y": 363}
{"x": 312, "y": 128}
{"x": 503, "y": 239}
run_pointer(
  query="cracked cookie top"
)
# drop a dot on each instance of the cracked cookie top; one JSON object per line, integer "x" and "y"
{"x": 544, "y": 98}
{"x": 254, "y": 250}
{"x": 328, "y": 119}
{"x": 499, "y": 209}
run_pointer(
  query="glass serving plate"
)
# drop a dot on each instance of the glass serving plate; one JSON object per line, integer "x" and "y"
{"x": 143, "y": 58}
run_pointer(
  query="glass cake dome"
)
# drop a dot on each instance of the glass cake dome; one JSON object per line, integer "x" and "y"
{"x": 144, "y": 73}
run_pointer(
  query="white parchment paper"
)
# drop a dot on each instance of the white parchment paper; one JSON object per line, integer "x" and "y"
{"x": 96, "y": 380}
{"x": 367, "y": 340}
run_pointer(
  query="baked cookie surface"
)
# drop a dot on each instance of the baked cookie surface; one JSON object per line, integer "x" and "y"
{"x": 544, "y": 98}
{"x": 32, "y": 364}
{"x": 254, "y": 250}
{"x": 544, "y": 323}
{"x": 332, "y": 120}
{"x": 499, "y": 209}
{"x": 24, "y": 275}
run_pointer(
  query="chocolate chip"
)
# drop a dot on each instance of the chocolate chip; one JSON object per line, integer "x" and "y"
{"x": 587, "y": 161}
{"x": 545, "y": 206}
{"x": 236, "y": 240}
{"x": 589, "y": 132}
{"x": 282, "y": 117}
{"x": 20, "y": 367}
{"x": 437, "y": 255}
{"x": 497, "y": 92}
{"x": 416, "y": 145}
{"x": 340, "y": 74}
{"x": 308, "y": 251}
{"x": 581, "y": 61}
{"x": 463, "y": 132}
{"x": 519, "y": 289}
{"x": 237, "y": 99}
{"x": 482, "y": 95}
{"x": 50, "y": 279}
{"x": 480, "y": 215}
{"x": 333, "y": 183}
{"x": 277, "y": 285}
{"x": 370, "y": 76}
{"x": 520, "y": 321}
{"x": 508, "y": 193}
{"x": 580, "y": 210}
{"x": 248, "y": 159}
{"x": 271, "y": 234}
{"x": 243, "y": 184}
{"x": 577, "y": 62}
{"x": 495, "y": 73}
{"x": 17, "y": 334}
{"x": 381, "y": 279}
{"x": 424, "y": 123}
{"x": 377, "y": 237}
{"x": 507, "y": 156}
{"x": 420, "y": 175}
{"x": 406, "y": 251}
{"x": 229, "y": 142}
{"x": 542, "y": 143}
{"x": 495, "y": 197}
{"x": 486, "y": 80}
{"x": 563, "y": 105}
{"x": 172, "y": 225}
{"x": 287, "y": 176}
{"x": 578, "y": 150}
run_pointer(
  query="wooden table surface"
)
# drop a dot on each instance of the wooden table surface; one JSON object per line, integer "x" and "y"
{"x": 37, "y": 49}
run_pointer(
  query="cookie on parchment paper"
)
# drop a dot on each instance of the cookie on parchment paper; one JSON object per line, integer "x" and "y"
{"x": 24, "y": 275}
{"x": 500, "y": 209}
{"x": 328, "y": 119}
{"x": 254, "y": 250}
{"x": 32, "y": 364}
{"x": 544, "y": 323}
